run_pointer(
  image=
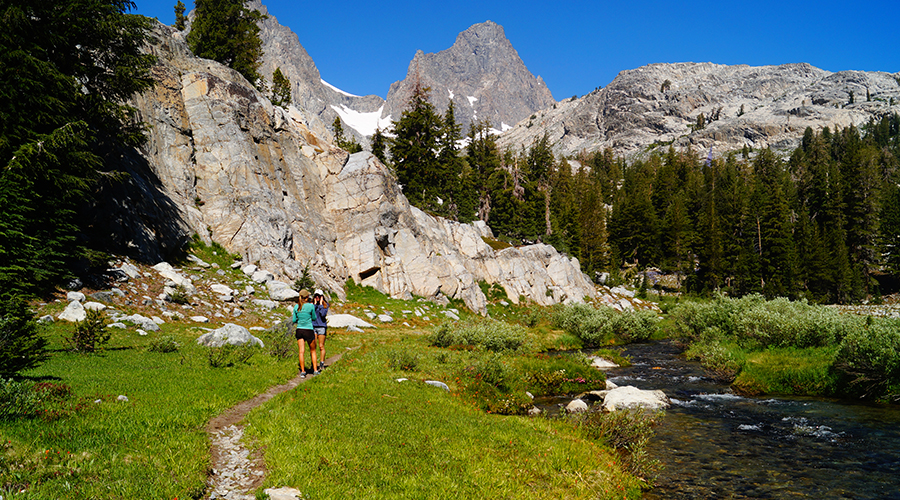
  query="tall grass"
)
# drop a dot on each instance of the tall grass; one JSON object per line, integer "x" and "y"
{"x": 151, "y": 446}
{"x": 356, "y": 432}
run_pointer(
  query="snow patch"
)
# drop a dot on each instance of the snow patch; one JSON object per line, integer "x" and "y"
{"x": 471, "y": 100}
{"x": 364, "y": 123}
{"x": 451, "y": 94}
{"x": 332, "y": 87}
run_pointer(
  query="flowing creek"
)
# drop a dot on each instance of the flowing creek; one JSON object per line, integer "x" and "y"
{"x": 715, "y": 444}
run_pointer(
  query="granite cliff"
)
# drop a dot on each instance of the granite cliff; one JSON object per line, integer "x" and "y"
{"x": 224, "y": 163}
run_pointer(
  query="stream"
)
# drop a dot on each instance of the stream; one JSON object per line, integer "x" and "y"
{"x": 715, "y": 444}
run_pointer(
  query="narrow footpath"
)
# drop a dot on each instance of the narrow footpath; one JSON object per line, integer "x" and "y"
{"x": 236, "y": 473}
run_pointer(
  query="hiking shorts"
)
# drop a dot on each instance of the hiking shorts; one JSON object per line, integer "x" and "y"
{"x": 305, "y": 334}
{"x": 320, "y": 330}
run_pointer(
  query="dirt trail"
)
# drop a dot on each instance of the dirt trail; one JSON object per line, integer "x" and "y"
{"x": 236, "y": 473}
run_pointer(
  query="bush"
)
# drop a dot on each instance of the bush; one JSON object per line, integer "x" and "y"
{"x": 869, "y": 358}
{"x": 596, "y": 327}
{"x": 279, "y": 340}
{"x": 230, "y": 355}
{"x": 90, "y": 334}
{"x": 490, "y": 368}
{"x": 21, "y": 345}
{"x": 18, "y": 399}
{"x": 629, "y": 433}
{"x": 488, "y": 334}
{"x": 403, "y": 360}
{"x": 163, "y": 344}
{"x": 721, "y": 361}
{"x": 179, "y": 295}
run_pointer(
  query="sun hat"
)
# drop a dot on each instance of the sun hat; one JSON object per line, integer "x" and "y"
{"x": 319, "y": 292}
{"x": 304, "y": 293}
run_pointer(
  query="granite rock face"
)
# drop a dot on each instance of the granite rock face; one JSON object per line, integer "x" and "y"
{"x": 757, "y": 106}
{"x": 481, "y": 73}
{"x": 255, "y": 178}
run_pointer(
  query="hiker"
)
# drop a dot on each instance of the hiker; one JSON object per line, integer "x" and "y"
{"x": 303, "y": 316}
{"x": 320, "y": 324}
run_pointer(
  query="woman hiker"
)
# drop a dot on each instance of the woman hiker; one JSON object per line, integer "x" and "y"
{"x": 303, "y": 316}
{"x": 320, "y": 325}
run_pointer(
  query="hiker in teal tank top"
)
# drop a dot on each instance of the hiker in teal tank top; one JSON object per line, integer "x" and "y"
{"x": 303, "y": 315}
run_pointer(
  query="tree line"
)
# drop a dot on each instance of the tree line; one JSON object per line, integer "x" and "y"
{"x": 819, "y": 223}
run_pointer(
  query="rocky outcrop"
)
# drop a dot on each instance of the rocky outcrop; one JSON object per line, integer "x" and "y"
{"x": 756, "y": 106}
{"x": 481, "y": 73}
{"x": 256, "y": 179}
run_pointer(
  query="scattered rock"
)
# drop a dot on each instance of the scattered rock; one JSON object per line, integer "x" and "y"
{"x": 199, "y": 319}
{"x": 384, "y": 318}
{"x": 75, "y": 297}
{"x": 94, "y": 306}
{"x": 603, "y": 364}
{"x": 281, "y": 291}
{"x": 122, "y": 398}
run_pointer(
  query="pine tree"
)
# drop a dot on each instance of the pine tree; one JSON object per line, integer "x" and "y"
{"x": 281, "y": 89}
{"x": 379, "y": 146}
{"x": 483, "y": 158}
{"x": 348, "y": 145}
{"x": 180, "y": 18}
{"x": 450, "y": 166}
{"x": 227, "y": 32}
{"x": 414, "y": 151}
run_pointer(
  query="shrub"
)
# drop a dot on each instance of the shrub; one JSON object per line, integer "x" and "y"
{"x": 511, "y": 404}
{"x": 596, "y": 327}
{"x": 869, "y": 357}
{"x": 718, "y": 359}
{"x": 488, "y": 334}
{"x": 18, "y": 399}
{"x": 230, "y": 355}
{"x": 179, "y": 295}
{"x": 629, "y": 433}
{"x": 90, "y": 334}
{"x": 21, "y": 344}
{"x": 403, "y": 360}
{"x": 279, "y": 340}
{"x": 163, "y": 344}
{"x": 490, "y": 368}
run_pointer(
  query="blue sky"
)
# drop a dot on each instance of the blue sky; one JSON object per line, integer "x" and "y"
{"x": 362, "y": 47}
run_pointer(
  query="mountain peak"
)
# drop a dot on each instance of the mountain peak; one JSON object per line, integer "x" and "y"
{"x": 481, "y": 73}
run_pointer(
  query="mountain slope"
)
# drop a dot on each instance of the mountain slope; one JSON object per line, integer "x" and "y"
{"x": 764, "y": 106}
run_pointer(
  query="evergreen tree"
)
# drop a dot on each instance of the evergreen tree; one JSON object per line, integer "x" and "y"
{"x": 348, "y": 145}
{"x": 281, "y": 89}
{"x": 483, "y": 158}
{"x": 414, "y": 151}
{"x": 227, "y": 32}
{"x": 450, "y": 166}
{"x": 180, "y": 18}
{"x": 379, "y": 146}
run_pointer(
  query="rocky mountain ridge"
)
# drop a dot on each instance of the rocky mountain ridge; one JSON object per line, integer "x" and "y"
{"x": 481, "y": 73}
{"x": 225, "y": 164}
{"x": 756, "y": 106}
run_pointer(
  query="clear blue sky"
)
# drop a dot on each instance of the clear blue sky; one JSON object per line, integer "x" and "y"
{"x": 362, "y": 47}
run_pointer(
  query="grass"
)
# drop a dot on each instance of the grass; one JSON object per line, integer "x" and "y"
{"x": 356, "y": 432}
{"x": 105, "y": 449}
{"x": 789, "y": 371}
{"x": 353, "y": 431}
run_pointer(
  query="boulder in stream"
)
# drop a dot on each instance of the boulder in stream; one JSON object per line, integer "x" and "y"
{"x": 632, "y": 397}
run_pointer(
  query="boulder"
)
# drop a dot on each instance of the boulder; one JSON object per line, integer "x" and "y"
{"x": 230, "y": 334}
{"x": 435, "y": 383}
{"x": 130, "y": 270}
{"x": 73, "y": 312}
{"x": 221, "y": 289}
{"x": 142, "y": 322}
{"x": 577, "y": 406}
{"x": 261, "y": 276}
{"x": 268, "y": 304}
{"x": 632, "y": 397}
{"x": 94, "y": 306}
{"x": 602, "y": 364}
{"x": 281, "y": 291}
{"x": 167, "y": 271}
{"x": 284, "y": 493}
{"x": 75, "y": 297}
{"x": 346, "y": 321}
